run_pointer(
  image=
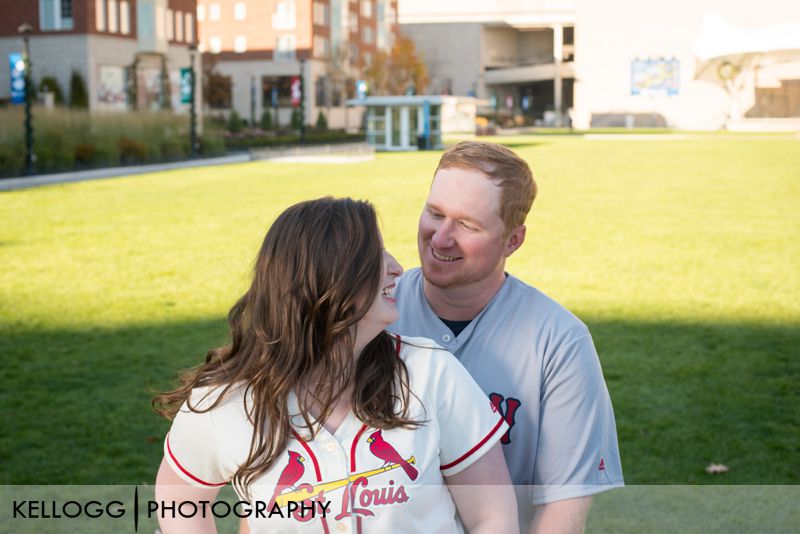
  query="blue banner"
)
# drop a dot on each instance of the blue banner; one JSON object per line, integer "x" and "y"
{"x": 17, "y": 78}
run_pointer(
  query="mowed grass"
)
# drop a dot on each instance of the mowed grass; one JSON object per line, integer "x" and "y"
{"x": 683, "y": 257}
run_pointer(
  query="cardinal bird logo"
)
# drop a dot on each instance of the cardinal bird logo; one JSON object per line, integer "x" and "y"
{"x": 290, "y": 475}
{"x": 384, "y": 450}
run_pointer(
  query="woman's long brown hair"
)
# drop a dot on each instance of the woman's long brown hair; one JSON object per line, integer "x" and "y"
{"x": 318, "y": 271}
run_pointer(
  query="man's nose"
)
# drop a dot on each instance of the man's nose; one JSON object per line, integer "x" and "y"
{"x": 443, "y": 236}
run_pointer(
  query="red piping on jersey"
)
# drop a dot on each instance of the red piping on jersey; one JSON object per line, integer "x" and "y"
{"x": 397, "y": 345}
{"x": 476, "y": 447}
{"x": 187, "y": 473}
{"x": 353, "y": 449}
{"x": 311, "y": 454}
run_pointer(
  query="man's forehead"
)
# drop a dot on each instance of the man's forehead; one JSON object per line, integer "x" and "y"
{"x": 466, "y": 193}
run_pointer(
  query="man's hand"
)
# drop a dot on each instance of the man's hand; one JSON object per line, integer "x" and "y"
{"x": 561, "y": 517}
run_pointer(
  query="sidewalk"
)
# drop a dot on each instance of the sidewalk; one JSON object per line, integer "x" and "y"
{"x": 10, "y": 184}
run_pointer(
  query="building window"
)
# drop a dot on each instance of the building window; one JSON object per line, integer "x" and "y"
{"x": 239, "y": 11}
{"x": 214, "y": 12}
{"x": 201, "y": 12}
{"x": 189, "y": 28}
{"x": 320, "y": 46}
{"x": 366, "y": 8}
{"x": 215, "y": 45}
{"x": 240, "y": 44}
{"x": 276, "y": 91}
{"x": 179, "y": 26}
{"x": 144, "y": 20}
{"x": 170, "y": 25}
{"x": 160, "y": 18}
{"x": 285, "y": 47}
{"x": 321, "y": 14}
{"x": 284, "y": 16}
{"x": 100, "y": 15}
{"x": 124, "y": 17}
{"x": 55, "y": 14}
{"x": 113, "y": 16}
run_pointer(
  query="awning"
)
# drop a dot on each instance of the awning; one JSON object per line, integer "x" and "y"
{"x": 723, "y": 51}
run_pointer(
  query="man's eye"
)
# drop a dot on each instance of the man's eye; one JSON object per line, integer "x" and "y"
{"x": 468, "y": 227}
{"x": 436, "y": 215}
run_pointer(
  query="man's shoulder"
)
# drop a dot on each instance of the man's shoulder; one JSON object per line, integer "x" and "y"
{"x": 524, "y": 303}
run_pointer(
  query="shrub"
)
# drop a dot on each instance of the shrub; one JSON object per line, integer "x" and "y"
{"x": 296, "y": 121}
{"x": 235, "y": 124}
{"x": 266, "y": 120}
{"x": 131, "y": 151}
{"x": 322, "y": 122}
{"x": 84, "y": 153}
{"x": 50, "y": 84}
{"x": 78, "y": 96}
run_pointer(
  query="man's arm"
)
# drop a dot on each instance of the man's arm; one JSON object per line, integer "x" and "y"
{"x": 561, "y": 517}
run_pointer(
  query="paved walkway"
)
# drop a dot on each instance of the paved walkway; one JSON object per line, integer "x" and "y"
{"x": 10, "y": 184}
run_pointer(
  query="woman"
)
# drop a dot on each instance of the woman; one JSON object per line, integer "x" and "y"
{"x": 311, "y": 404}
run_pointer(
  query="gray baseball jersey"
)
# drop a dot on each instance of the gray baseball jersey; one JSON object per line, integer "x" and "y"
{"x": 537, "y": 363}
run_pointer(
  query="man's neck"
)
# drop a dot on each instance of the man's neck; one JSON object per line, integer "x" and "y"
{"x": 463, "y": 303}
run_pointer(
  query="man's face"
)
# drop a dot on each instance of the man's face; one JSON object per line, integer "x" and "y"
{"x": 461, "y": 235}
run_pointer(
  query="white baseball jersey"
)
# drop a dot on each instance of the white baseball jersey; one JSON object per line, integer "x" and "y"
{"x": 538, "y": 365}
{"x": 374, "y": 481}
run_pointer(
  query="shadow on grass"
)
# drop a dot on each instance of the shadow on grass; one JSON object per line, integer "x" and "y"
{"x": 75, "y": 404}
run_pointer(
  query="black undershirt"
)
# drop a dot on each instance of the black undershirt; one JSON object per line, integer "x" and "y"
{"x": 455, "y": 326}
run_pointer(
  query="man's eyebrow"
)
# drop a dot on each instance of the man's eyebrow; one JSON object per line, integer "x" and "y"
{"x": 465, "y": 218}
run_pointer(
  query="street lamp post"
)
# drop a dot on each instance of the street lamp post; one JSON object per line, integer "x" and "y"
{"x": 25, "y": 29}
{"x": 192, "y": 103}
{"x": 302, "y": 101}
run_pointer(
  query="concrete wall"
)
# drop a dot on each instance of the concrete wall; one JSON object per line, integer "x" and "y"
{"x": 453, "y": 55}
{"x": 609, "y": 35}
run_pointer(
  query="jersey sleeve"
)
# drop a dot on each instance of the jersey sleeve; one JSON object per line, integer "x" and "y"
{"x": 468, "y": 422}
{"x": 578, "y": 453}
{"x": 192, "y": 447}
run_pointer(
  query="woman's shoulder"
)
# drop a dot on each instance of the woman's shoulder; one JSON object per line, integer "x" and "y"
{"x": 421, "y": 354}
{"x": 216, "y": 399}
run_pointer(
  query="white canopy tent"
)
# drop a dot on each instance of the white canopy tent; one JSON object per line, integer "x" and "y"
{"x": 732, "y": 57}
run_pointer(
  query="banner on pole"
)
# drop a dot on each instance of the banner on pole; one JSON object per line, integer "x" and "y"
{"x": 297, "y": 93}
{"x": 17, "y": 78}
{"x": 186, "y": 85}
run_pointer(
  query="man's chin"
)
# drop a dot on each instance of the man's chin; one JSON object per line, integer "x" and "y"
{"x": 440, "y": 280}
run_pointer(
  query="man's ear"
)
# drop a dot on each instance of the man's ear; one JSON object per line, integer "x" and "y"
{"x": 515, "y": 240}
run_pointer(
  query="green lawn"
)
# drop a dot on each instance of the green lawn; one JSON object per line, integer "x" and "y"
{"x": 683, "y": 256}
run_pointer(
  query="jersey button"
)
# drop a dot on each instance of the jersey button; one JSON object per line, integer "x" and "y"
{"x": 330, "y": 447}
{"x": 446, "y": 338}
{"x": 341, "y": 527}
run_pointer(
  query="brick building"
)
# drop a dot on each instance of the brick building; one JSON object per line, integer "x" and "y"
{"x": 129, "y": 52}
{"x": 259, "y": 46}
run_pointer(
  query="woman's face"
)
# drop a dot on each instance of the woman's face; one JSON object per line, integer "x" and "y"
{"x": 383, "y": 310}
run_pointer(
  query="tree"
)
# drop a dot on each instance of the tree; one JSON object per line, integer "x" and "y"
{"x": 50, "y": 84}
{"x": 266, "y": 120}
{"x": 78, "y": 96}
{"x": 216, "y": 87}
{"x": 235, "y": 122}
{"x": 322, "y": 122}
{"x": 394, "y": 73}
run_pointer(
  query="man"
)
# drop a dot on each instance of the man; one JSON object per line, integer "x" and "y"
{"x": 534, "y": 359}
